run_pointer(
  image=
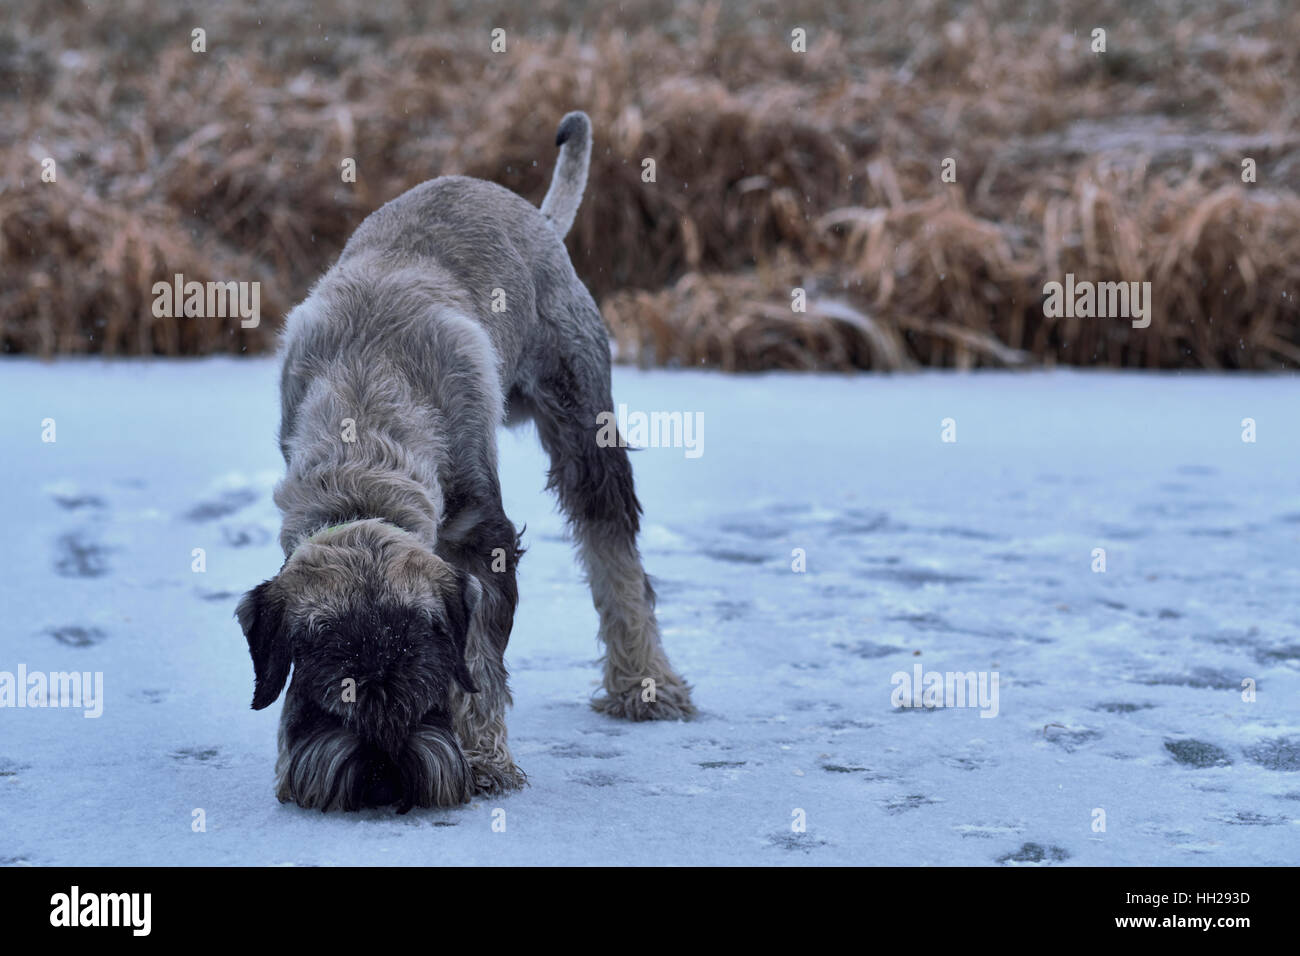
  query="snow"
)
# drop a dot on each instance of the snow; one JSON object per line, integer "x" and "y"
{"x": 1119, "y": 691}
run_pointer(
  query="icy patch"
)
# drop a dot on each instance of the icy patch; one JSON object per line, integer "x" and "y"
{"x": 827, "y": 541}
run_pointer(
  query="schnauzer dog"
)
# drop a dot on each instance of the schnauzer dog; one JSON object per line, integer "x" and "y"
{"x": 452, "y": 309}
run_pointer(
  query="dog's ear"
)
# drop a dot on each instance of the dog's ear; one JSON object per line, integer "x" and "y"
{"x": 461, "y": 603}
{"x": 261, "y": 615}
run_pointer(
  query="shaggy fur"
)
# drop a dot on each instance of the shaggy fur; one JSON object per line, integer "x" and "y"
{"x": 450, "y": 309}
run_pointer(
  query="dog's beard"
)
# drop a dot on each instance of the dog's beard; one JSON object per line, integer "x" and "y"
{"x": 433, "y": 771}
{"x": 332, "y": 768}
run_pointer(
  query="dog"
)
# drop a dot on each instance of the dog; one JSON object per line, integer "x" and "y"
{"x": 452, "y": 310}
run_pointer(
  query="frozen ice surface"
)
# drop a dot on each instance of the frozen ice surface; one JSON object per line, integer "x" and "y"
{"x": 1119, "y": 692}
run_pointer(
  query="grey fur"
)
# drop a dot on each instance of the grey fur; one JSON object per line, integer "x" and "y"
{"x": 570, "y": 179}
{"x": 400, "y": 562}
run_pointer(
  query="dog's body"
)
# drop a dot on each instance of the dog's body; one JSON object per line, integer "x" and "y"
{"x": 450, "y": 310}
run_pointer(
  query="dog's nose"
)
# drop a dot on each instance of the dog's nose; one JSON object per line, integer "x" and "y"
{"x": 379, "y": 784}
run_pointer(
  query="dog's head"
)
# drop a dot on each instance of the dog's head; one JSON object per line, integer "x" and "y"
{"x": 374, "y": 627}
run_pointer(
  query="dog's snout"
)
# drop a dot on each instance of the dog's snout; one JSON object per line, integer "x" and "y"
{"x": 386, "y": 719}
{"x": 380, "y": 783}
{"x": 385, "y": 730}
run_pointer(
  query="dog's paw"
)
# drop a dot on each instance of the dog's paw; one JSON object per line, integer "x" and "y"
{"x": 667, "y": 699}
{"x": 495, "y": 777}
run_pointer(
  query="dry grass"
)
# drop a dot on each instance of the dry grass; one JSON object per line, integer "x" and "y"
{"x": 774, "y": 170}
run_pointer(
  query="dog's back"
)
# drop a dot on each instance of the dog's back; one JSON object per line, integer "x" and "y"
{"x": 487, "y": 250}
{"x": 476, "y": 245}
{"x": 440, "y": 298}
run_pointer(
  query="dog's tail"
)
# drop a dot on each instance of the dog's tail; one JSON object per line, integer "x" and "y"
{"x": 570, "y": 179}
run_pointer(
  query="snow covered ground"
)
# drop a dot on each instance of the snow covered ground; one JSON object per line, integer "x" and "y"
{"x": 1118, "y": 691}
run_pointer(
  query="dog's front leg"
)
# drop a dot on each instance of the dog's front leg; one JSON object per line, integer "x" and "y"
{"x": 479, "y": 719}
{"x": 480, "y": 724}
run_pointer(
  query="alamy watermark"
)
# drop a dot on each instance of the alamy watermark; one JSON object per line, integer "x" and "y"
{"x": 212, "y": 300}
{"x": 75, "y": 908}
{"x": 651, "y": 430}
{"x": 1098, "y": 300}
{"x": 935, "y": 689}
{"x": 72, "y": 689}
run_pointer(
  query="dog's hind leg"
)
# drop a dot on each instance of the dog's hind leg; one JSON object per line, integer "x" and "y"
{"x": 594, "y": 482}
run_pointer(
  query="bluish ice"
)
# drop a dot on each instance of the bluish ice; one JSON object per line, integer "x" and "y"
{"x": 1126, "y": 730}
